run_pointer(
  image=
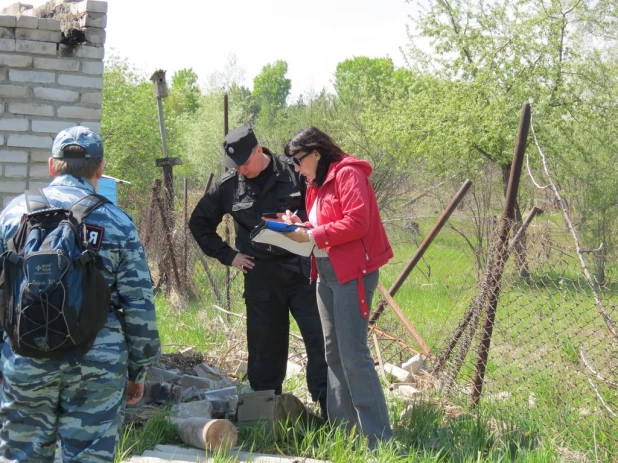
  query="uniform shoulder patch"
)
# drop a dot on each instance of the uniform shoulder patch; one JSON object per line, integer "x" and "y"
{"x": 95, "y": 236}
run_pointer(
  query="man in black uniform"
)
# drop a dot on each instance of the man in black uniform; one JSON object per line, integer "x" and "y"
{"x": 276, "y": 281}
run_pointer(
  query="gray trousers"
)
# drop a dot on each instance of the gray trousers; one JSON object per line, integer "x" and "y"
{"x": 354, "y": 393}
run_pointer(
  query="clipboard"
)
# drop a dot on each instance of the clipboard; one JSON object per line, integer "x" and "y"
{"x": 272, "y": 233}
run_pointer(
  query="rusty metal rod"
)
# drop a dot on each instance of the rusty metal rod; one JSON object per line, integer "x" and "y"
{"x": 524, "y": 226}
{"x": 500, "y": 257}
{"x": 406, "y": 323}
{"x": 168, "y": 236}
{"x": 423, "y": 247}
{"x": 389, "y": 336}
{"x": 475, "y": 307}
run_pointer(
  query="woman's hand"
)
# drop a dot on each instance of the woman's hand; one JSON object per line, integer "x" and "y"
{"x": 290, "y": 218}
{"x": 299, "y": 235}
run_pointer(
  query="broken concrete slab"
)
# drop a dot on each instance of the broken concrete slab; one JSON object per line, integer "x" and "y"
{"x": 161, "y": 375}
{"x": 203, "y": 383}
{"x": 414, "y": 364}
{"x": 206, "y": 371}
{"x": 403, "y": 376}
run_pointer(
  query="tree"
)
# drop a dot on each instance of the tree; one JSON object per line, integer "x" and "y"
{"x": 185, "y": 93}
{"x": 271, "y": 89}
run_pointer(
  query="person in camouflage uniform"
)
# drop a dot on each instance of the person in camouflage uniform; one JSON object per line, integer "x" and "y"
{"x": 81, "y": 399}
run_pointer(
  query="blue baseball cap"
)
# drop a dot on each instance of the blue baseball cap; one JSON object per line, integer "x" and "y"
{"x": 80, "y": 136}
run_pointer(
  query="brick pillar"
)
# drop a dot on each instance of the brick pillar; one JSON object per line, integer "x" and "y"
{"x": 46, "y": 85}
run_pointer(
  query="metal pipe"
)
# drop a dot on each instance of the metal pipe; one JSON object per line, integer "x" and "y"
{"x": 501, "y": 255}
{"x": 423, "y": 247}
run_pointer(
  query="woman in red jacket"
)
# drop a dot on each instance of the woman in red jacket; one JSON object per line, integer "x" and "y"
{"x": 350, "y": 246}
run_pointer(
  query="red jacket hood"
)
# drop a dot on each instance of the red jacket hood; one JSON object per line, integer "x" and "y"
{"x": 348, "y": 160}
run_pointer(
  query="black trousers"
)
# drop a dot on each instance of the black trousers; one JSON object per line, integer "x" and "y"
{"x": 271, "y": 293}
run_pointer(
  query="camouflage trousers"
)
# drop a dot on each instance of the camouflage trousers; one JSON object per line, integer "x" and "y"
{"x": 80, "y": 402}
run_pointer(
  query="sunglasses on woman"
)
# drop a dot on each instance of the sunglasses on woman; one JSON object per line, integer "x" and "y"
{"x": 298, "y": 160}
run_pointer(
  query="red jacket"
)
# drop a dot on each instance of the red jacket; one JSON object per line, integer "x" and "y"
{"x": 350, "y": 228}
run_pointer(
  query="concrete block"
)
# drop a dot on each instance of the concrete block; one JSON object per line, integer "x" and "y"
{"x": 51, "y": 126}
{"x": 90, "y": 6}
{"x": 61, "y": 2}
{"x": 7, "y": 20}
{"x": 96, "y": 126}
{"x": 93, "y": 20}
{"x": 15, "y": 61}
{"x": 48, "y": 24}
{"x": 39, "y": 156}
{"x": 39, "y": 48}
{"x": 80, "y": 81}
{"x": 79, "y": 112}
{"x": 414, "y": 364}
{"x": 2, "y": 75}
{"x": 16, "y": 170}
{"x": 81, "y": 51}
{"x": 29, "y": 141}
{"x": 13, "y": 125}
{"x": 95, "y": 35}
{"x": 12, "y": 186}
{"x": 31, "y": 109}
{"x": 93, "y": 67}
{"x": 39, "y": 77}
{"x": 14, "y": 156}
{"x": 39, "y": 170}
{"x": 57, "y": 64}
{"x": 55, "y": 94}
{"x": 7, "y": 44}
{"x": 38, "y": 35}
{"x": 203, "y": 370}
{"x": 27, "y": 22}
{"x": 1, "y": 140}
{"x": 402, "y": 375}
{"x": 92, "y": 98}
{"x": 7, "y": 33}
{"x": 14, "y": 91}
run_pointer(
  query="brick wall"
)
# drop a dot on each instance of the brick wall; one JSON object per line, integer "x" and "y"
{"x": 47, "y": 83}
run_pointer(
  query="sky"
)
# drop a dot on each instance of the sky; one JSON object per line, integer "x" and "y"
{"x": 311, "y": 36}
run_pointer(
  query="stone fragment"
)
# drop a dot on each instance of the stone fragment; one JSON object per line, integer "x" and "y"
{"x": 414, "y": 364}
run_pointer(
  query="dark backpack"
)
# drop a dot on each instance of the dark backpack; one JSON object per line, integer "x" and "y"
{"x": 53, "y": 297}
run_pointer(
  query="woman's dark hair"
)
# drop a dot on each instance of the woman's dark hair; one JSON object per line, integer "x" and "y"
{"x": 310, "y": 139}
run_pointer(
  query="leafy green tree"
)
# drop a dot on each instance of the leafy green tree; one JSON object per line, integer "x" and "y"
{"x": 271, "y": 89}
{"x": 184, "y": 93}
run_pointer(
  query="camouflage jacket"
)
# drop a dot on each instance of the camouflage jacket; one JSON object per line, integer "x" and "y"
{"x": 112, "y": 232}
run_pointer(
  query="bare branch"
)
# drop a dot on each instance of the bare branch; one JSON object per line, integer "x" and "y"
{"x": 567, "y": 217}
{"x": 594, "y": 372}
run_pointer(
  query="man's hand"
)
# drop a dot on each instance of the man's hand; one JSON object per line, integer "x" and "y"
{"x": 243, "y": 262}
{"x": 135, "y": 391}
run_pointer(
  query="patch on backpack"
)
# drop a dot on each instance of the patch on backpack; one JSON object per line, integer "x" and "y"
{"x": 95, "y": 236}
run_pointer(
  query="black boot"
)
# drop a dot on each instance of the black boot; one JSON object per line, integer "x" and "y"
{"x": 323, "y": 409}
